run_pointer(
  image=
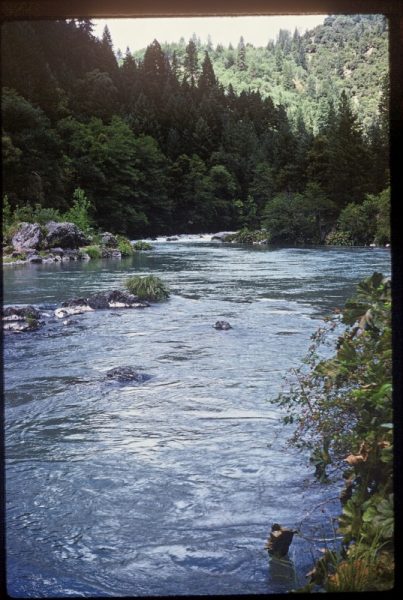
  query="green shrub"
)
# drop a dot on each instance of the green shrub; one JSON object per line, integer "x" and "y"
{"x": 35, "y": 214}
{"x": 124, "y": 246}
{"x": 140, "y": 245}
{"x": 246, "y": 236}
{"x": 79, "y": 213}
{"x": 338, "y": 238}
{"x": 93, "y": 251}
{"x": 147, "y": 287}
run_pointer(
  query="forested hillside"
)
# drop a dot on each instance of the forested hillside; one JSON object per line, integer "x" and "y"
{"x": 185, "y": 137}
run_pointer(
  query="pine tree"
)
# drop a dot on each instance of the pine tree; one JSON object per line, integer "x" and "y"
{"x": 207, "y": 78}
{"x": 191, "y": 63}
{"x": 241, "y": 57}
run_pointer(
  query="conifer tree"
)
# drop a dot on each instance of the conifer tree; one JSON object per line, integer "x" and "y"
{"x": 191, "y": 63}
{"x": 241, "y": 57}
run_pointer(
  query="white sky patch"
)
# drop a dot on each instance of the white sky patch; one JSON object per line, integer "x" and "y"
{"x": 256, "y": 30}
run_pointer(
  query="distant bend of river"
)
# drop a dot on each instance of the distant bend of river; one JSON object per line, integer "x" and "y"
{"x": 170, "y": 486}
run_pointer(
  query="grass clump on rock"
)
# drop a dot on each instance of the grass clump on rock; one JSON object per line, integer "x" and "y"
{"x": 147, "y": 287}
{"x": 93, "y": 251}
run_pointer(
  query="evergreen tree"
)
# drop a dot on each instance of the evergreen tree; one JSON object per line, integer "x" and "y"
{"x": 241, "y": 56}
{"x": 191, "y": 63}
{"x": 207, "y": 78}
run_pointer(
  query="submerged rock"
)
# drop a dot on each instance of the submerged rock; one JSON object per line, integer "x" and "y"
{"x": 222, "y": 325}
{"x": 126, "y": 374}
{"x": 279, "y": 540}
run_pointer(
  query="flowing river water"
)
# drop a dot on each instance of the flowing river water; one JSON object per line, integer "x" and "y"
{"x": 170, "y": 486}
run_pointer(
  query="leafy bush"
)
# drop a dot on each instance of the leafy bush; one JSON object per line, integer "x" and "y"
{"x": 36, "y": 214}
{"x": 124, "y": 246}
{"x": 79, "y": 213}
{"x": 338, "y": 238}
{"x": 140, "y": 245}
{"x": 364, "y": 224}
{"x": 246, "y": 236}
{"x": 147, "y": 287}
{"x": 93, "y": 251}
{"x": 342, "y": 411}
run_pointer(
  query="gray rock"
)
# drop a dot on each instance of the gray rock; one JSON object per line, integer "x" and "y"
{"x": 109, "y": 240}
{"x": 222, "y": 235}
{"x": 57, "y": 251}
{"x": 174, "y": 238}
{"x": 75, "y": 306}
{"x": 20, "y": 319}
{"x": 23, "y": 312}
{"x": 115, "y": 299}
{"x": 109, "y": 253}
{"x": 28, "y": 237}
{"x": 65, "y": 235}
{"x": 125, "y": 374}
{"x": 222, "y": 325}
{"x": 35, "y": 258}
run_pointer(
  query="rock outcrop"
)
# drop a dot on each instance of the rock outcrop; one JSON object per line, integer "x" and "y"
{"x": 64, "y": 235}
{"x": 19, "y": 319}
{"x": 28, "y": 237}
{"x": 109, "y": 240}
{"x": 115, "y": 299}
{"x": 99, "y": 301}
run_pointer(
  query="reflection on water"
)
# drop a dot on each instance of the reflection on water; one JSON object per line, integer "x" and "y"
{"x": 167, "y": 487}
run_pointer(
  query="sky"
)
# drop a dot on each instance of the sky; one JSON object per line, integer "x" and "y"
{"x": 257, "y": 30}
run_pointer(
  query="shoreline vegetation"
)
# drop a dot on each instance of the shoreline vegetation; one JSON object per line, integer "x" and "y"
{"x": 26, "y": 236}
{"x": 341, "y": 411}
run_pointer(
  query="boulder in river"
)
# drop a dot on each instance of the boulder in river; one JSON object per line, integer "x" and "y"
{"x": 222, "y": 325}
{"x": 21, "y": 318}
{"x": 65, "y": 235}
{"x": 126, "y": 374}
{"x": 115, "y": 299}
{"x": 29, "y": 236}
{"x": 76, "y": 306}
{"x": 279, "y": 541}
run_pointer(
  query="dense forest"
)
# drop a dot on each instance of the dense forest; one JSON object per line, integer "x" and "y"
{"x": 190, "y": 138}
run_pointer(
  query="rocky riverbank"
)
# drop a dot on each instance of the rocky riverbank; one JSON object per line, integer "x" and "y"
{"x": 61, "y": 242}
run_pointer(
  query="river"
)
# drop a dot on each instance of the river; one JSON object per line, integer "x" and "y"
{"x": 170, "y": 486}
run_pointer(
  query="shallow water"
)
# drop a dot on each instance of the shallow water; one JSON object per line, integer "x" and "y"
{"x": 169, "y": 486}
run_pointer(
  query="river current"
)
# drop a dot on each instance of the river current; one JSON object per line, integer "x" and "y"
{"x": 169, "y": 486}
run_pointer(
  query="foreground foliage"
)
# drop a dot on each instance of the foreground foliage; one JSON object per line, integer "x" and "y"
{"x": 341, "y": 407}
{"x": 147, "y": 287}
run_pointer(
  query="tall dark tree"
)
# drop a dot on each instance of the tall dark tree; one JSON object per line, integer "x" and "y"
{"x": 191, "y": 63}
{"x": 207, "y": 78}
